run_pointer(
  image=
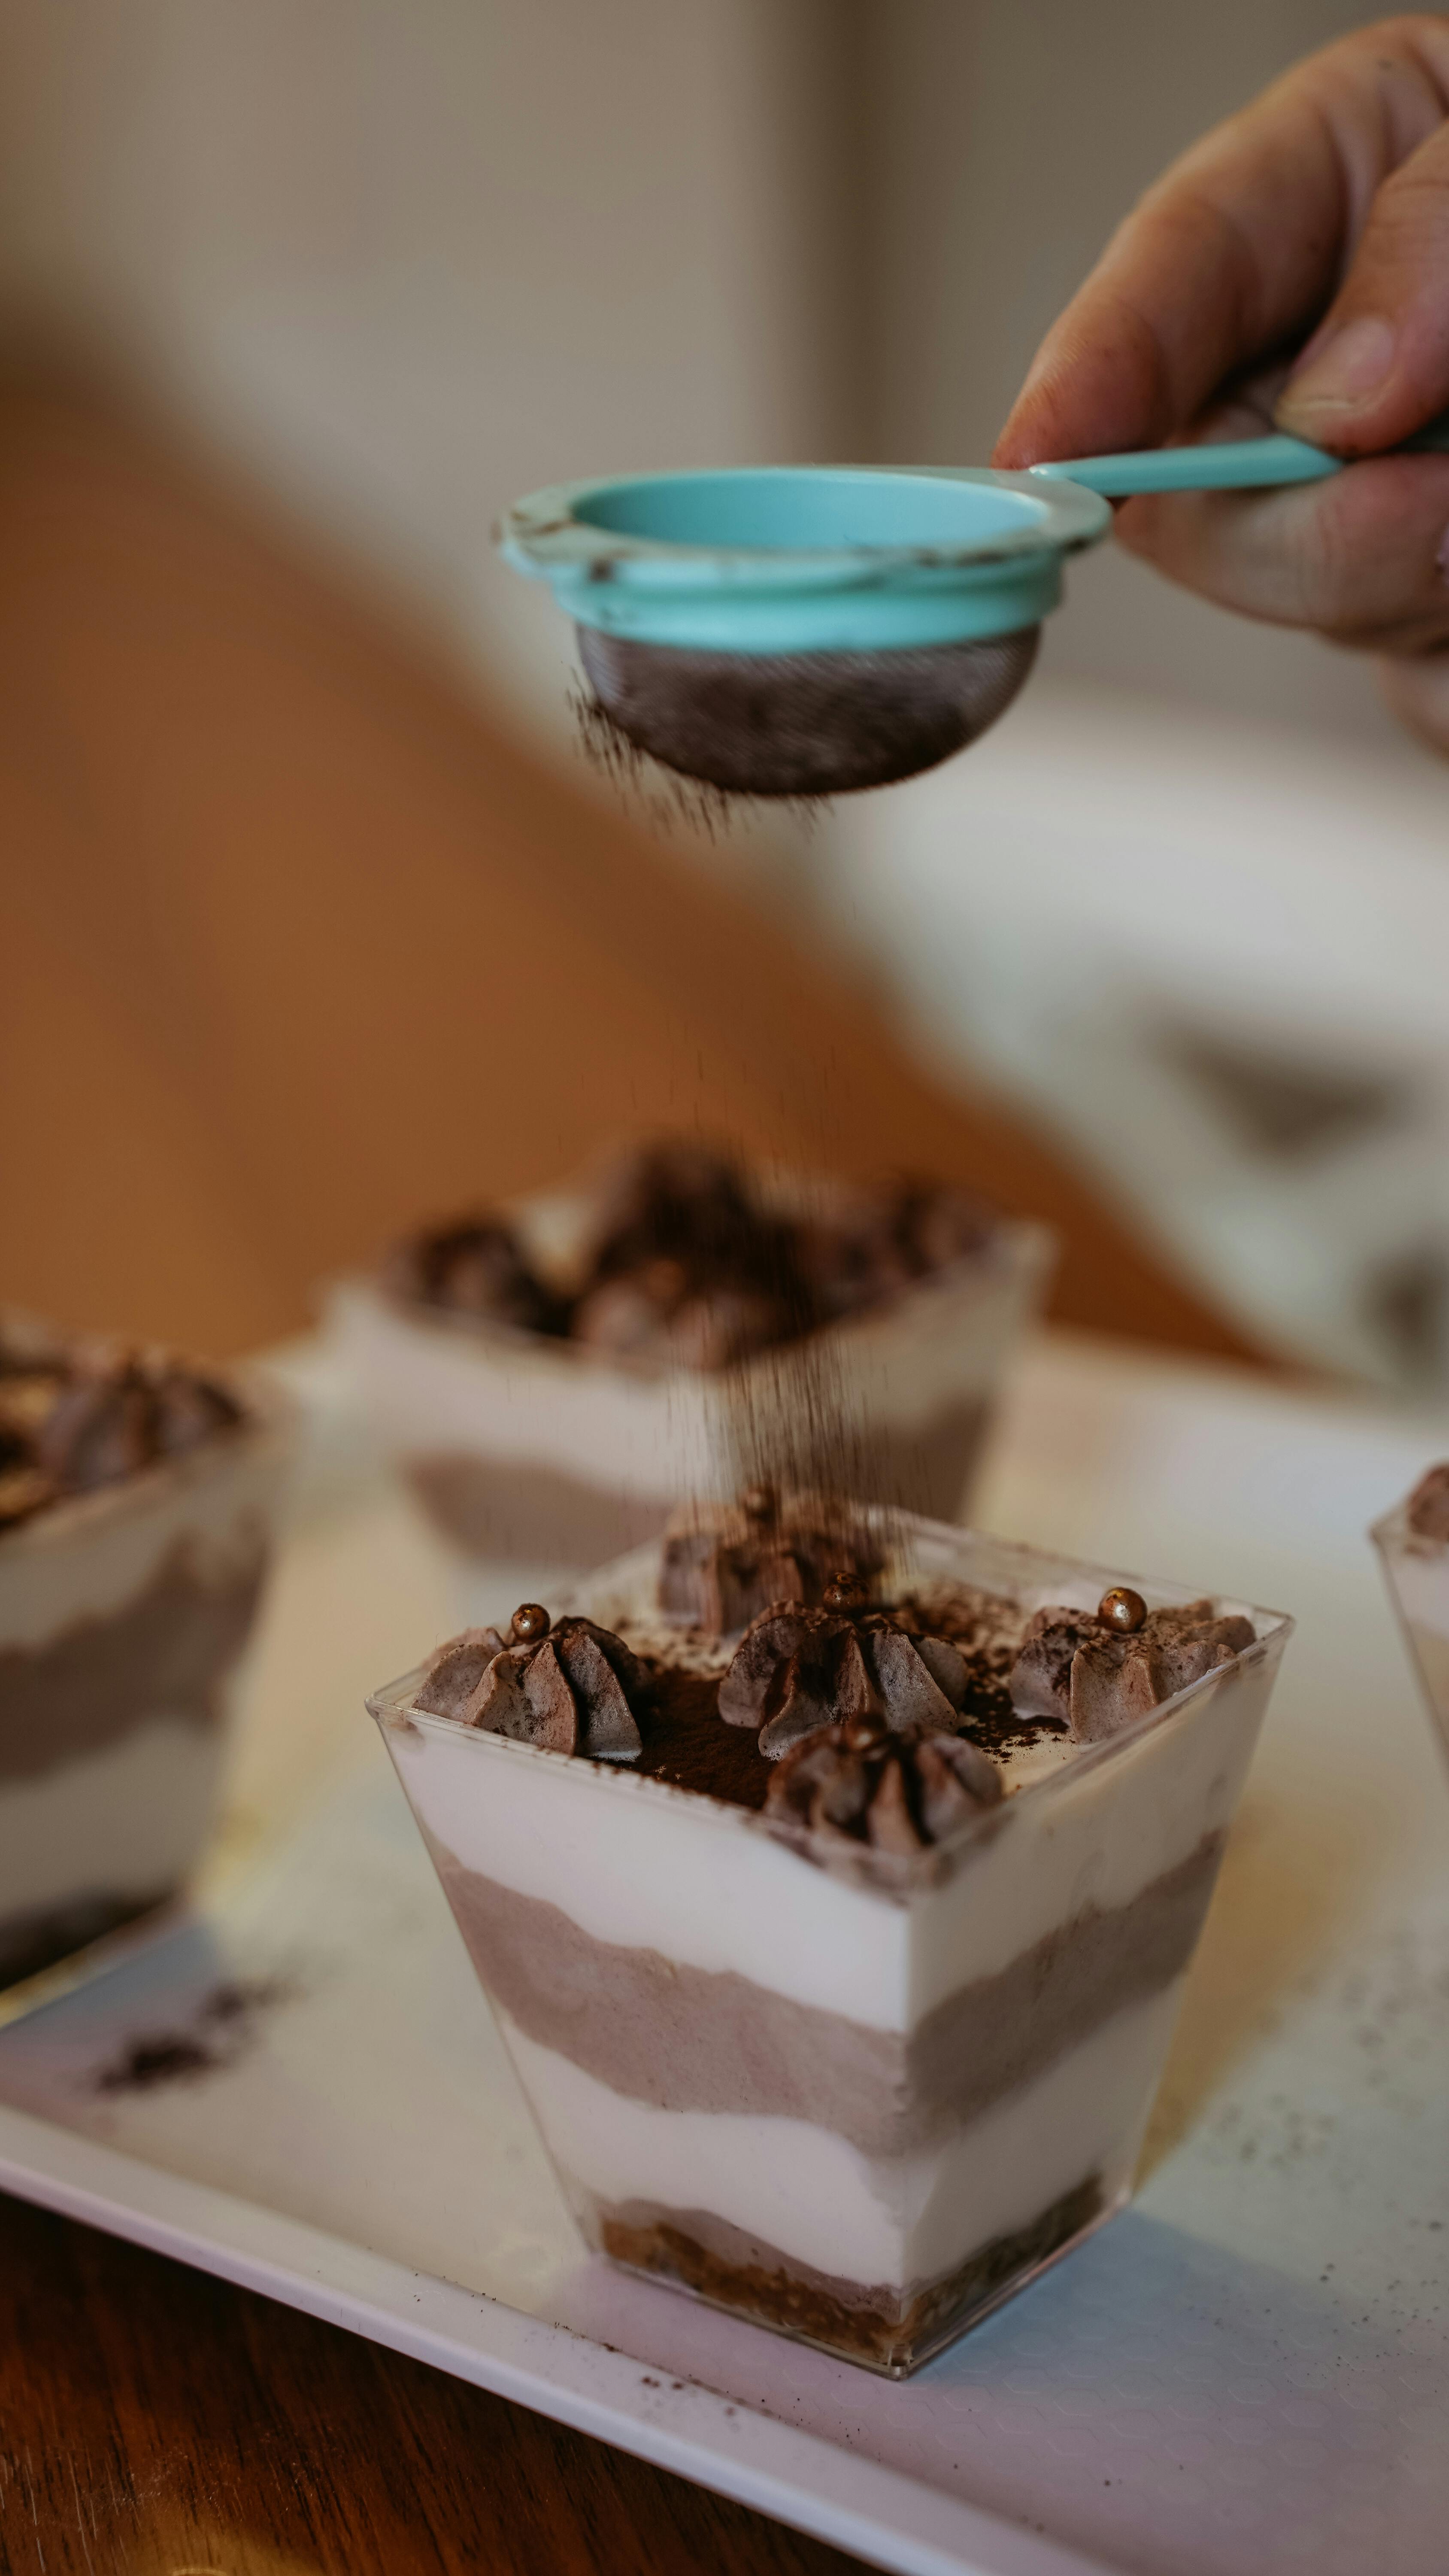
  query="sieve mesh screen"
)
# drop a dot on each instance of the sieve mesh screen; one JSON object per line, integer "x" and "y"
{"x": 803, "y": 724}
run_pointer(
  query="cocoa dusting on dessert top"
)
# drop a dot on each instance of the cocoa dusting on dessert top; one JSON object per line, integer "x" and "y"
{"x": 676, "y": 1711}
{"x": 905, "y": 1713}
{"x": 986, "y": 1628}
{"x": 78, "y": 1415}
{"x": 685, "y": 1744}
{"x": 685, "y": 1265}
{"x": 988, "y": 1717}
{"x": 1427, "y": 1510}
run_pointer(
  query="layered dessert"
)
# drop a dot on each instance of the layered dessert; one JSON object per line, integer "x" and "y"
{"x": 137, "y": 1495}
{"x": 551, "y": 1378}
{"x": 838, "y": 1952}
{"x": 1413, "y": 1542}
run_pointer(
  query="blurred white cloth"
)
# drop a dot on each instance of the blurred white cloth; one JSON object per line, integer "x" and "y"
{"x": 1214, "y": 957}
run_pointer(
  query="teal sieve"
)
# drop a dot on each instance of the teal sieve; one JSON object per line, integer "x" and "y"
{"x": 809, "y": 630}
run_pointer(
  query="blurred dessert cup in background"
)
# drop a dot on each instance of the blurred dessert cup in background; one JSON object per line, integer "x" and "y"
{"x": 551, "y": 1378}
{"x": 1413, "y": 1545}
{"x": 138, "y": 1498}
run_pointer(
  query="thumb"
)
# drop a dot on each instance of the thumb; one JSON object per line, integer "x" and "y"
{"x": 1377, "y": 367}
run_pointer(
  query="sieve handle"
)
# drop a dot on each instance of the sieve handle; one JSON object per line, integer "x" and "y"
{"x": 1230, "y": 465}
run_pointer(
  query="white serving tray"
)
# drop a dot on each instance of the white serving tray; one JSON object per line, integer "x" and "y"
{"x": 1249, "y": 2369}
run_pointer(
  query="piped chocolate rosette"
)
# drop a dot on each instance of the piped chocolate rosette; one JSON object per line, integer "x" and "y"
{"x": 474, "y": 1266}
{"x": 861, "y": 1714}
{"x": 78, "y": 1416}
{"x": 683, "y": 1266}
{"x": 864, "y": 1784}
{"x": 796, "y": 1668}
{"x": 684, "y": 1263}
{"x": 566, "y": 1686}
{"x": 868, "y": 1242}
{"x": 1098, "y": 1671}
{"x": 720, "y": 1567}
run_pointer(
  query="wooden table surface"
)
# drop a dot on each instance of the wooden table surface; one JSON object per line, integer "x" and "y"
{"x": 199, "y": 735}
{"x": 156, "y": 2422}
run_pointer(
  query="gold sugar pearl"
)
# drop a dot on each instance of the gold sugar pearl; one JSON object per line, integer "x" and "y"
{"x": 844, "y": 1591}
{"x": 862, "y": 1734}
{"x": 530, "y": 1622}
{"x": 1122, "y": 1609}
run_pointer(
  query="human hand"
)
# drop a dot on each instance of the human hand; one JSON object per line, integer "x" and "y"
{"x": 1316, "y": 220}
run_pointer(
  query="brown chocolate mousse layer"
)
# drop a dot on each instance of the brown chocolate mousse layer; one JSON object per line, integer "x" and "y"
{"x": 925, "y": 1468}
{"x": 693, "y": 2039}
{"x": 893, "y": 2329}
{"x": 503, "y": 1507}
{"x": 166, "y": 1651}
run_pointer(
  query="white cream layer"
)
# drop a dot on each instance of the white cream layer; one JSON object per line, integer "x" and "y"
{"x": 1418, "y": 1573}
{"x": 1431, "y": 1652}
{"x": 810, "y": 2194}
{"x": 642, "y": 1866}
{"x": 92, "y": 1555}
{"x": 126, "y": 1821}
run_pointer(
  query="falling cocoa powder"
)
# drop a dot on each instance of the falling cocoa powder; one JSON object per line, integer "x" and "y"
{"x": 665, "y": 798}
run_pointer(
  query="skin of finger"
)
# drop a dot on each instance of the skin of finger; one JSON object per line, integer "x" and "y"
{"x": 1397, "y": 274}
{"x": 1356, "y": 559}
{"x": 1237, "y": 249}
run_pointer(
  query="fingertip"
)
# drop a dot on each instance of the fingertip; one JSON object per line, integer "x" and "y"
{"x": 1080, "y": 400}
{"x": 1025, "y": 440}
{"x": 1041, "y": 416}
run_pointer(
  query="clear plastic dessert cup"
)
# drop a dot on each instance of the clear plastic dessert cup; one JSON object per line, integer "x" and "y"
{"x": 1416, "y": 1567}
{"x": 124, "y": 1616}
{"x": 857, "y": 2097}
{"x": 531, "y": 1449}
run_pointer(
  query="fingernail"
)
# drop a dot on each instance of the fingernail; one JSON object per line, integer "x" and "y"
{"x": 1344, "y": 371}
